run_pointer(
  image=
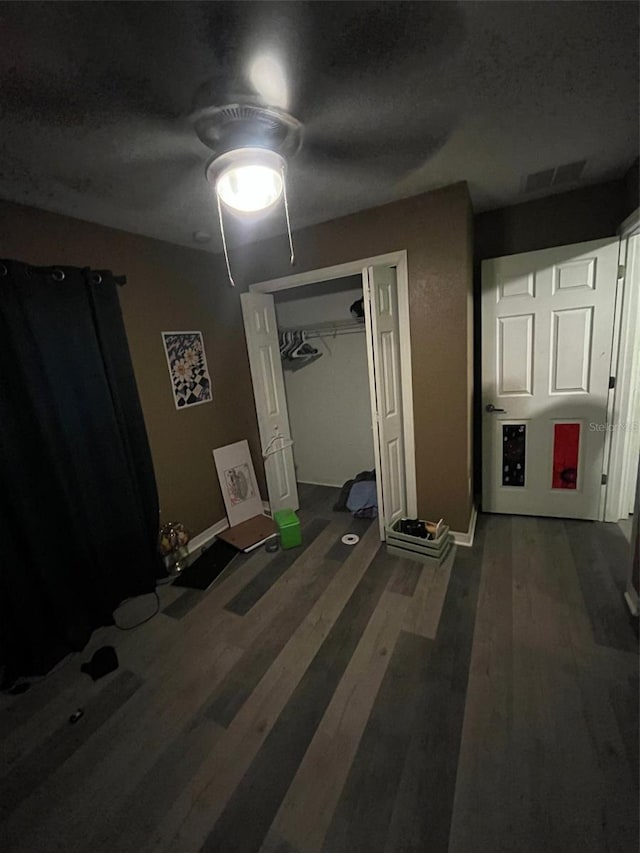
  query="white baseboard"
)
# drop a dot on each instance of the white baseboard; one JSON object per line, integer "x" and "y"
{"x": 463, "y": 539}
{"x": 466, "y": 539}
{"x": 631, "y": 597}
{"x": 204, "y": 538}
{"x": 315, "y": 483}
{"x": 207, "y": 535}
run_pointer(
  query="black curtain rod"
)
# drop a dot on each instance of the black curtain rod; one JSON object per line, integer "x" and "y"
{"x": 57, "y": 273}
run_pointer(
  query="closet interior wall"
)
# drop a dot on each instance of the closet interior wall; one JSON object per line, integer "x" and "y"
{"x": 328, "y": 398}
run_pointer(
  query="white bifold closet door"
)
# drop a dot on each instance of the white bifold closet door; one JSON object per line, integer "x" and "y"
{"x": 383, "y": 349}
{"x": 261, "y": 331}
{"x": 381, "y": 317}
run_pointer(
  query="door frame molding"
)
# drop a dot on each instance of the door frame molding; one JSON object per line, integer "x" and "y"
{"x": 620, "y": 396}
{"x": 373, "y": 397}
{"x": 358, "y": 266}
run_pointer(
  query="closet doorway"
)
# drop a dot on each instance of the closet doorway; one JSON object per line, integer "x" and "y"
{"x": 323, "y": 352}
{"x": 329, "y": 352}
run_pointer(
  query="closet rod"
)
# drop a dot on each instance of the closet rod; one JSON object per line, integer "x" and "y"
{"x": 328, "y": 327}
{"x": 310, "y": 336}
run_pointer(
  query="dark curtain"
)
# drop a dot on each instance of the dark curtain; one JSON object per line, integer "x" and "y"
{"x": 78, "y": 500}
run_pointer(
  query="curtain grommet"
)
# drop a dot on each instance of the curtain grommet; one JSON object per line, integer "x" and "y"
{"x": 96, "y": 278}
{"x": 3, "y": 270}
{"x": 57, "y": 275}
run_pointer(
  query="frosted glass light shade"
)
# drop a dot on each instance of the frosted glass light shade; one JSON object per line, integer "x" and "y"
{"x": 247, "y": 180}
{"x": 249, "y": 189}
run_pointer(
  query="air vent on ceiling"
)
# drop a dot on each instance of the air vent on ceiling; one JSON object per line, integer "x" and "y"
{"x": 569, "y": 173}
{"x": 537, "y": 181}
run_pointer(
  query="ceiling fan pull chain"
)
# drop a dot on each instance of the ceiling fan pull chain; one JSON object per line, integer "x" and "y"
{"x": 286, "y": 213}
{"x": 224, "y": 242}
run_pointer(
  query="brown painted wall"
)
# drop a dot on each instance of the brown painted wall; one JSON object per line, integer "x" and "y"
{"x": 435, "y": 229}
{"x": 632, "y": 189}
{"x": 169, "y": 289}
{"x": 175, "y": 288}
{"x": 588, "y": 213}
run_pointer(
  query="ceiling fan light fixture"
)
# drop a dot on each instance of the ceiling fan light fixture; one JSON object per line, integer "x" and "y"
{"x": 248, "y": 180}
{"x": 249, "y": 189}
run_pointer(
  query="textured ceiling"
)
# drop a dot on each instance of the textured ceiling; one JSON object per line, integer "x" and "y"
{"x": 396, "y": 98}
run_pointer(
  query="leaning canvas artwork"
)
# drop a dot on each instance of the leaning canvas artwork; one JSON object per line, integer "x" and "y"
{"x": 239, "y": 483}
{"x": 190, "y": 380}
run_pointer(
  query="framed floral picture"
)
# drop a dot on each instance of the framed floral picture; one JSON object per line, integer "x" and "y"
{"x": 187, "y": 362}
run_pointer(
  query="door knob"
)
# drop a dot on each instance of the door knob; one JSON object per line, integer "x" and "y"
{"x": 491, "y": 408}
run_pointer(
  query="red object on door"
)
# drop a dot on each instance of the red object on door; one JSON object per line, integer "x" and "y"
{"x": 566, "y": 444}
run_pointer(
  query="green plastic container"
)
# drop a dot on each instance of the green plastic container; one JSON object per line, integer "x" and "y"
{"x": 288, "y": 525}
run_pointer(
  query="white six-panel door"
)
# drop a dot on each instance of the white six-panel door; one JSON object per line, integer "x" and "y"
{"x": 547, "y": 327}
{"x": 261, "y": 331}
{"x": 381, "y": 316}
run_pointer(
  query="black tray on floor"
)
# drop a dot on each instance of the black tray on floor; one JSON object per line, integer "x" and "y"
{"x": 202, "y": 573}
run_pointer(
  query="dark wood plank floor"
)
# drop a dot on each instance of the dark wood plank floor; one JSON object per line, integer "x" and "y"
{"x": 339, "y": 700}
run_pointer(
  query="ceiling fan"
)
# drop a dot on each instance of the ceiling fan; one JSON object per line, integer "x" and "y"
{"x": 252, "y": 137}
{"x": 331, "y": 90}
{"x": 335, "y": 140}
